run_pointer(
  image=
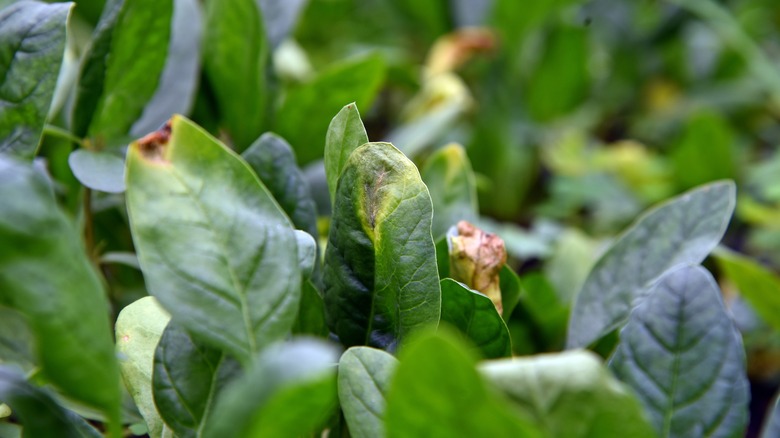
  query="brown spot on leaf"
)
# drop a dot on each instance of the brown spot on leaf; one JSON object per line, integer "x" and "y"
{"x": 152, "y": 146}
{"x": 476, "y": 259}
{"x": 372, "y": 203}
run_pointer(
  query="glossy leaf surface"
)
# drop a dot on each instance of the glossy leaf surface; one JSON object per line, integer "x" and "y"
{"x": 364, "y": 380}
{"x": 345, "y": 134}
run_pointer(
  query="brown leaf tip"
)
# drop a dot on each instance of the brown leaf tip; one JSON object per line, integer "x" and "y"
{"x": 152, "y": 146}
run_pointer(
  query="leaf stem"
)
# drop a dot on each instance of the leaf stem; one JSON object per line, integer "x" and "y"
{"x": 56, "y": 131}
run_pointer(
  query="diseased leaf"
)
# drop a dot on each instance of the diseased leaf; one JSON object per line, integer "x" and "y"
{"x": 476, "y": 317}
{"x": 32, "y": 44}
{"x": 364, "y": 380}
{"x": 302, "y": 117}
{"x": 122, "y": 68}
{"x": 103, "y": 171}
{"x": 289, "y": 391}
{"x": 235, "y": 54}
{"x": 139, "y": 327}
{"x": 680, "y": 231}
{"x": 345, "y": 134}
{"x": 187, "y": 379}
{"x": 215, "y": 248}
{"x": 40, "y": 415}
{"x": 450, "y": 180}
{"x": 66, "y": 308}
{"x": 381, "y": 279}
{"x": 437, "y": 392}
{"x": 683, "y": 356}
{"x": 571, "y": 395}
{"x": 759, "y": 286}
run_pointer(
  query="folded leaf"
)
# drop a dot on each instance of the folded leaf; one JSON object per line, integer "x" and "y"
{"x": 364, "y": 380}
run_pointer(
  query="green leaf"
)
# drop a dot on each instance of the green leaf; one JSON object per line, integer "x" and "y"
{"x": 544, "y": 311}
{"x": 122, "y": 68}
{"x": 289, "y": 391}
{"x": 683, "y": 356}
{"x": 771, "y": 427}
{"x": 187, "y": 379}
{"x": 759, "y": 286}
{"x": 307, "y": 252}
{"x": 437, "y": 392}
{"x": 475, "y": 316}
{"x": 381, "y": 279}
{"x": 32, "y": 44}
{"x": 40, "y": 415}
{"x": 98, "y": 170}
{"x": 511, "y": 290}
{"x": 707, "y": 138}
{"x": 450, "y": 180}
{"x": 139, "y": 327}
{"x": 235, "y": 54}
{"x": 302, "y": 117}
{"x": 364, "y": 380}
{"x": 680, "y": 231}
{"x": 66, "y": 308}
{"x": 16, "y": 340}
{"x": 215, "y": 248}
{"x": 571, "y": 395}
{"x": 311, "y": 313}
{"x": 345, "y": 134}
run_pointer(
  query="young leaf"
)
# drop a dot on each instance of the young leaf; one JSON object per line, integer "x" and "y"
{"x": 450, "y": 180}
{"x": 437, "y": 392}
{"x": 290, "y": 391}
{"x": 235, "y": 54}
{"x": 186, "y": 380}
{"x": 364, "y": 380}
{"x": 122, "y": 68}
{"x": 381, "y": 279}
{"x": 570, "y": 395}
{"x": 98, "y": 170}
{"x": 66, "y": 307}
{"x": 475, "y": 316}
{"x": 302, "y": 117}
{"x": 40, "y": 415}
{"x": 681, "y": 231}
{"x": 683, "y": 355}
{"x": 345, "y": 133}
{"x": 139, "y": 327}
{"x": 32, "y": 44}
{"x": 759, "y": 286}
{"x": 215, "y": 248}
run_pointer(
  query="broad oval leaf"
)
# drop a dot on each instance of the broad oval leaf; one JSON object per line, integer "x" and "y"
{"x": 451, "y": 182}
{"x": 32, "y": 44}
{"x": 98, "y": 170}
{"x": 475, "y": 316}
{"x": 570, "y": 395}
{"x": 681, "y": 231}
{"x": 345, "y": 134}
{"x": 215, "y": 248}
{"x": 759, "y": 286}
{"x": 67, "y": 307}
{"x": 364, "y": 380}
{"x": 139, "y": 327}
{"x": 381, "y": 279}
{"x": 683, "y": 356}
{"x": 186, "y": 380}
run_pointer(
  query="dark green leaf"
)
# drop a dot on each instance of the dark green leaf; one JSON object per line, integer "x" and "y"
{"x": 680, "y": 231}
{"x": 570, "y": 395}
{"x": 16, "y": 340}
{"x": 289, "y": 391}
{"x": 32, "y": 43}
{"x": 235, "y": 54}
{"x": 66, "y": 307}
{"x": 475, "y": 316}
{"x": 103, "y": 171}
{"x": 381, "y": 279}
{"x": 450, "y": 180}
{"x": 511, "y": 290}
{"x": 186, "y": 380}
{"x": 311, "y": 313}
{"x": 214, "y": 246}
{"x": 345, "y": 133}
{"x": 303, "y": 116}
{"x": 683, "y": 356}
{"x": 364, "y": 380}
{"x": 40, "y": 415}
{"x": 759, "y": 286}
{"x": 122, "y": 68}
{"x": 707, "y": 138}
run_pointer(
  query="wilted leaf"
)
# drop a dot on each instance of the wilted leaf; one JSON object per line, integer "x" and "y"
{"x": 364, "y": 380}
{"x": 476, "y": 259}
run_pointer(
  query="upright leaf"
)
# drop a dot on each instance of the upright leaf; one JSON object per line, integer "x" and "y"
{"x": 450, "y": 179}
{"x": 759, "y": 286}
{"x": 476, "y": 317}
{"x": 681, "y": 231}
{"x": 345, "y": 133}
{"x": 364, "y": 380}
{"x": 683, "y": 356}
{"x": 235, "y": 53}
{"x": 302, "y": 117}
{"x": 570, "y": 395}
{"x": 381, "y": 279}
{"x": 66, "y": 307}
{"x": 122, "y": 68}
{"x": 215, "y": 248}
{"x": 32, "y": 44}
